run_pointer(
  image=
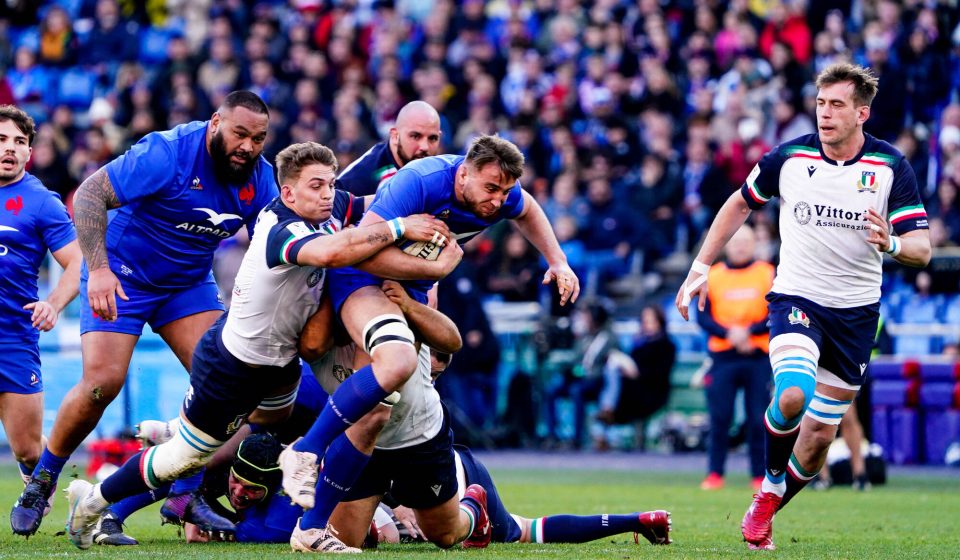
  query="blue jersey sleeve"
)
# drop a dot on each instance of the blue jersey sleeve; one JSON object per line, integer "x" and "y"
{"x": 763, "y": 183}
{"x": 402, "y": 196}
{"x": 145, "y": 169}
{"x": 904, "y": 207}
{"x": 285, "y": 241}
{"x": 55, "y": 224}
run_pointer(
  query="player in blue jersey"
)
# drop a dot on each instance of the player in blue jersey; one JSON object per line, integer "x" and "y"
{"x": 148, "y": 224}
{"x": 248, "y": 359}
{"x": 415, "y": 135}
{"x": 846, "y": 198}
{"x": 468, "y": 193}
{"x": 33, "y": 221}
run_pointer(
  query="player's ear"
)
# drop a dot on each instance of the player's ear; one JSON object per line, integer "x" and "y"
{"x": 864, "y": 114}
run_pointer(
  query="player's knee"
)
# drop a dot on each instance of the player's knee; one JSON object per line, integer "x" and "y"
{"x": 184, "y": 454}
{"x": 101, "y": 392}
{"x": 390, "y": 343}
{"x": 792, "y": 402}
{"x": 26, "y": 455}
{"x": 445, "y": 539}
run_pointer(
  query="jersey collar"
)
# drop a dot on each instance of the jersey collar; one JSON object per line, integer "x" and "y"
{"x": 867, "y": 140}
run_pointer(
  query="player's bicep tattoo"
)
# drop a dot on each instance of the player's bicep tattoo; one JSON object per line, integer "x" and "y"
{"x": 94, "y": 197}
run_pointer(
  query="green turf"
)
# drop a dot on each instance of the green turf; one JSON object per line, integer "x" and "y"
{"x": 908, "y": 518}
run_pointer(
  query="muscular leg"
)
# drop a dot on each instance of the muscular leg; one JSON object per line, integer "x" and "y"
{"x": 183, "y": 334}
{"x": 445, "y": 525}
{"x": 375, "y": 324}
{"x": 816, "y": 435}
{"x": 106, "y": 358}
{"x": 22, "y": 419}
{"x": 352, "y": 520}
{"x": 275, "y": 408}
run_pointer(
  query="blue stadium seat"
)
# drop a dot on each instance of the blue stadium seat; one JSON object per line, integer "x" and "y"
{"x": 76, "y": 88}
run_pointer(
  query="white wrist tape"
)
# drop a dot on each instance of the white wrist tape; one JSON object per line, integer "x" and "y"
{"x": 397, "y": 229}
{"x": 688, "y": 289}
{"x": 895, "y": 245}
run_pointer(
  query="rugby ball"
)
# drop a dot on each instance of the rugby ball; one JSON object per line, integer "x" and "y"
{"x": 423, "y": 249}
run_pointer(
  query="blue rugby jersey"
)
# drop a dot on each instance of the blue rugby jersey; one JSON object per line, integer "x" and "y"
{"x": 175, "y": 211}
{"x": 33, "y": 220}
{"x": 427, "y": 186}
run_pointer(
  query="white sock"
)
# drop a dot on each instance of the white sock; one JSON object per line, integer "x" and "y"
{"x": 94, "y": 501}
{"x": 776, "y": 488}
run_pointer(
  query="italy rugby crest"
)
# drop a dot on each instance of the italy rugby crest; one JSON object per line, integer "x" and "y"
{"x": 798, "y": 317}
{"x": 868, "y": 182}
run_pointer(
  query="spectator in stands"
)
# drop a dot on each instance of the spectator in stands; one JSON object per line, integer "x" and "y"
{"x": 643, "y": 389}
{"x": 609, "y": 235}
{"x": 788, "y": 121}
{"x": 705, "y": 189}
{"x": 735, "y": 319}
{"x": 111, "y": 41}
{"x": 58, "y": 44}
{"x": 470, "y": 384}
{"x": 513, "y": 271}
{"x": 583, "y": 381}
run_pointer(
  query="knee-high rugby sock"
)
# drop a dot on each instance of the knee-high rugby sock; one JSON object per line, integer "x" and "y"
{"x": 128, "y": 506}
{"x": 127, "y": 481}
{"x": 342, "y": 466}
{"x": 187, "y": 485}
{"x": 356, "y": 396}
{"x": 797, "y": 479}
{"x": 581, "y": 528}
{"x": 50, "y": 463}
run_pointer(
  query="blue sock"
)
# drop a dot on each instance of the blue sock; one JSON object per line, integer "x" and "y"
{"x": 127, "y": 506}
{"x": 356, "y": 396}
{"x": 581, "y": 528}
{"x": 50, "y": 463}
{"x": 187, "y": 485}
{"x": 127, "y": 481}
{"x": 342, "y": 466}
{"x": 25, "y": 470}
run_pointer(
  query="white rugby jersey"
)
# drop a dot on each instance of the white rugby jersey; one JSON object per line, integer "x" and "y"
{"x": 273, "y": 296}
{"x": 416, "y": 419}
{"x": 824, "y": 255}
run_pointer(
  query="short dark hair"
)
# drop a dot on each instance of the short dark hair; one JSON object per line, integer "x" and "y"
{"x": 292, "y": 159}
{"x": 493, "y": 149}
{"x": 863, "y": 80}
{"x": 246, "y": 99}
{"x": 22, "y": 121}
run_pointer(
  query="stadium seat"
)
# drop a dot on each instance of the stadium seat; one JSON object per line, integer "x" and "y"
{"x": 76, "y": 88}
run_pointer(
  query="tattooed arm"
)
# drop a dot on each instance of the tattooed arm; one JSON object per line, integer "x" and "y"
{"x": 94, "y": 197}
{"x": 353, "y": 245}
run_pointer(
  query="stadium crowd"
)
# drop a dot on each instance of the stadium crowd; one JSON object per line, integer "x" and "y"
{"x": 637, "y": 119}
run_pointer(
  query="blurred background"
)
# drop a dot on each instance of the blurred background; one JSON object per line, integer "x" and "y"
{"x": 637, "y": 120}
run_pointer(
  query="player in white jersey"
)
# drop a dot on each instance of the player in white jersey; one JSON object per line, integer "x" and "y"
{"x": 846, "y": 198}
{"x": 250, "y": 358}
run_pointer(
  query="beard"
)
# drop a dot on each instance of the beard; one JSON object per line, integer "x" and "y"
{"x": 226, "y": 170}
{"x": 404, "y": 158}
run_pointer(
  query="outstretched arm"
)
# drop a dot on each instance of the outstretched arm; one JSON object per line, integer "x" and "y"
{"x": 94, "y": 198}
{"x": 729, "y": 219}
{"x": 536, "y": 228}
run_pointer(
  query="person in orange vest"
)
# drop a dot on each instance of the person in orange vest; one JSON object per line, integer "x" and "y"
{"x": 735, "y": 318}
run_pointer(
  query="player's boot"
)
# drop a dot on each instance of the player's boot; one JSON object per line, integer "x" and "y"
{"x": 714, "y": 481}
{"x": 321, "y": 541}
{"x": 655, "y": 527}
{"x": 300, "y": 474}
{"x": 33, "y": 504}
{"x": 757, "y": 524}
{"x": 193, "y": 508}
{"x": 765, "y": 544}
{"x": 480, "y": 537}
{"x": 81, "y": 520}
{"x": 53, "y": 493}
{"x": 109, "y": 531}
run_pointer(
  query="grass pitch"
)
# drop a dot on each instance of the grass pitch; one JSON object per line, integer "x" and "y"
{"x": 907, "y": 518}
